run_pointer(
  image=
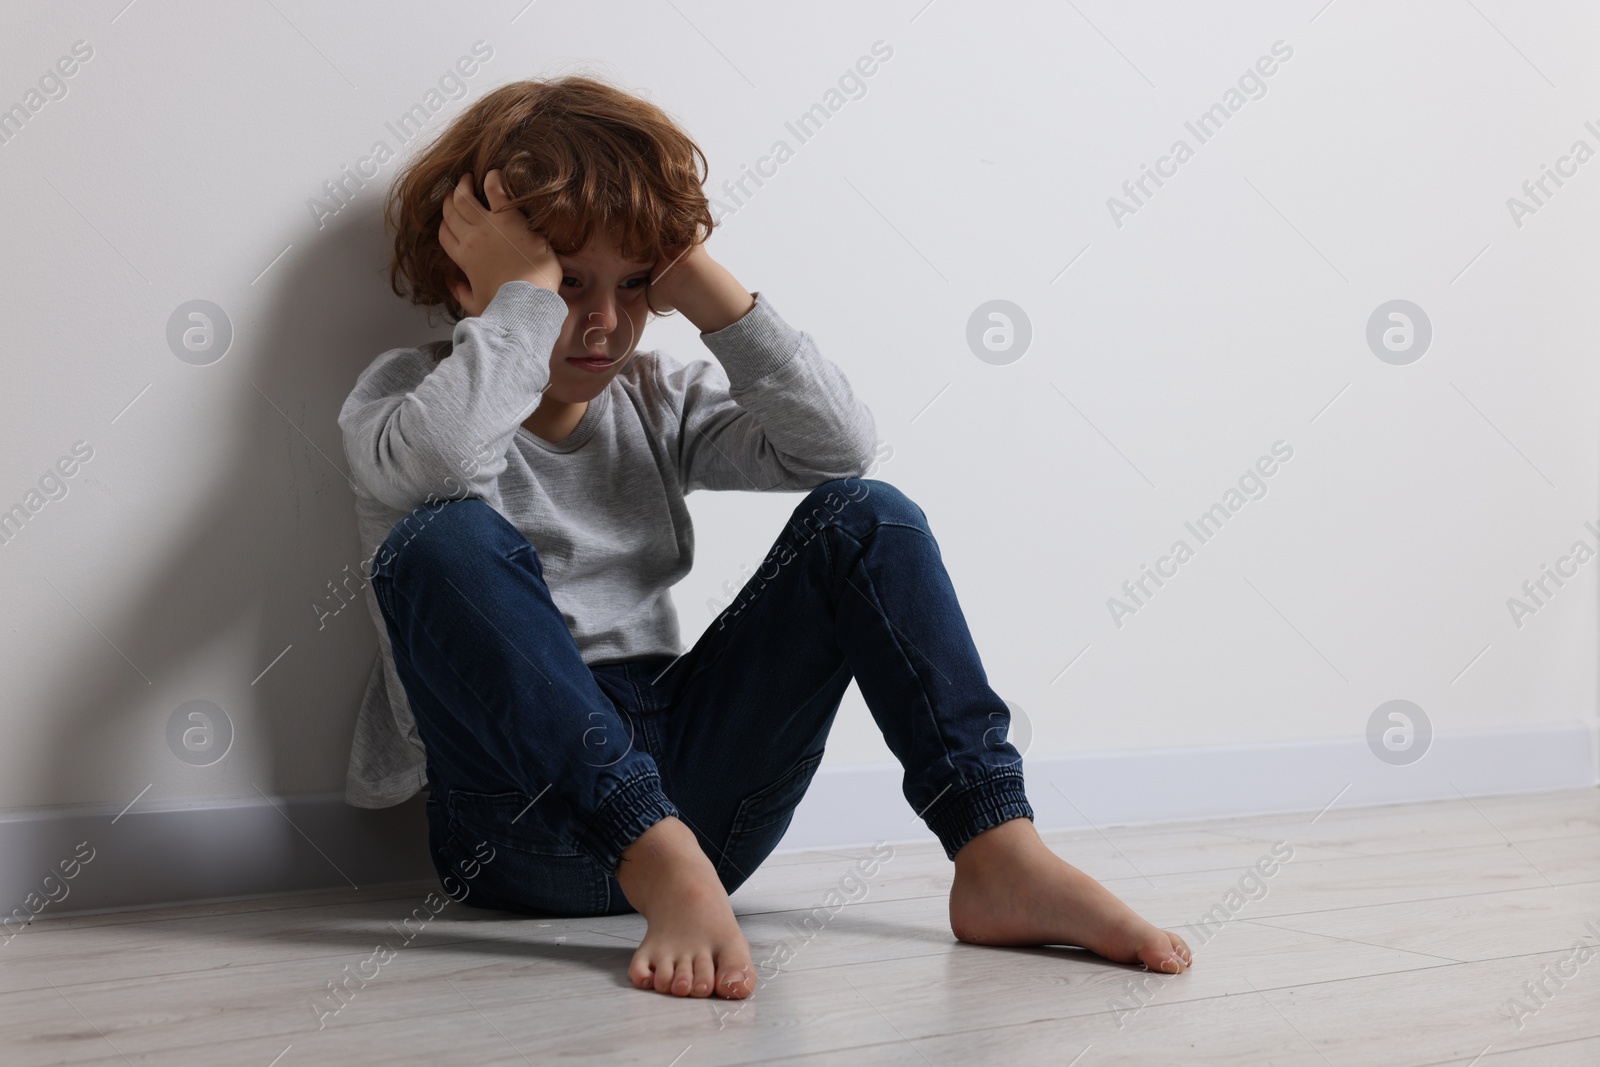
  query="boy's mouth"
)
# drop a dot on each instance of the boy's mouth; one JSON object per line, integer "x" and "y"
{"x": 593, "y": 363}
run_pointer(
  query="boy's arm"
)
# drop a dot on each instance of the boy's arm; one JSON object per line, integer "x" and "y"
{"x": 410, "y": 442}
{"x": 775, "y": 415}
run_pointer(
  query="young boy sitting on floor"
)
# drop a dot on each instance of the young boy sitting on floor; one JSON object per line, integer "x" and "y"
{"x": 521, "y": 493}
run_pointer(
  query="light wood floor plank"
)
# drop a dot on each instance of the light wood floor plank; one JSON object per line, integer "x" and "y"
{"x": 1482, "y": 927}
{"x": 1394, "y": 936}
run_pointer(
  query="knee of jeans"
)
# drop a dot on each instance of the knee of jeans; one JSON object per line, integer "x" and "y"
{"x": 878, "y": 500}
{"x": 432, "y": 532}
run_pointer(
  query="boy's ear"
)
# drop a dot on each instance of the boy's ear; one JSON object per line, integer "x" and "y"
{"x": 461, "y": 289}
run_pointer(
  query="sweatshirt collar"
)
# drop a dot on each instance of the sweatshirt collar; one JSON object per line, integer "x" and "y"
{"x": 582, "y": 432}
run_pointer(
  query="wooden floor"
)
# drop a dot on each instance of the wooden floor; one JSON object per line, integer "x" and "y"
{"x": 1394, "y": 936}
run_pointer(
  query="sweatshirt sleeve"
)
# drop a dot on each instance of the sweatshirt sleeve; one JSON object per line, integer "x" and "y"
{"x": 776, "y": 415}
{"x": 414, "y": 434}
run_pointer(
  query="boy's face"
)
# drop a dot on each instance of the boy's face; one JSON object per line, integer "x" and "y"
{"x": 606, "y": 314}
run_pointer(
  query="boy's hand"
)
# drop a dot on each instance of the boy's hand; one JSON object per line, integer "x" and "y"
{"x": 492, "y": 247}
{"x": 703, "y": 289}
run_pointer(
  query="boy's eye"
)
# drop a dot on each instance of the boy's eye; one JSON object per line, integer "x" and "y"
{"x": 630, "y": 284}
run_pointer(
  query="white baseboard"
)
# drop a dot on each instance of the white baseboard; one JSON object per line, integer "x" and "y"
{"x": 855, "y": 805}
{"x": 203, "y": 852}
{"x": 223, "y": 851}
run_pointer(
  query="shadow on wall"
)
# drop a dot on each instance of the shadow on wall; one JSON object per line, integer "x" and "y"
{"x": 265, "y": 540}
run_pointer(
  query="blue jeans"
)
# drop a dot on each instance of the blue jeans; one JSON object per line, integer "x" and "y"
{"x": 543, "y": 769}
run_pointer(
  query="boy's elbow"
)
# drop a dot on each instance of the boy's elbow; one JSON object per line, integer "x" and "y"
{"x": 867, "y": 447}
{"x": 405, "y": 482}
{"x": 856, "y": 465}
{"x": 410, "y": 494}
{"x": 848, "y": 462}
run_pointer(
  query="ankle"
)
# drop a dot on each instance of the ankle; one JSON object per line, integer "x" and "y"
{"x": 665, "y": 852}
{"x": 666, "y": 837}
{"x": 1014, "y": 837}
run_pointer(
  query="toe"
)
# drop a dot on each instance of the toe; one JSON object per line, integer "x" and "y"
{"x": 682, "y": 976}
{"x": 734, "y": 981}
{"x": 1162, "y": 955}
{"x": 705, "y": 972}
{"x": 640, "y": 972}
{"x": 663, "y": 979}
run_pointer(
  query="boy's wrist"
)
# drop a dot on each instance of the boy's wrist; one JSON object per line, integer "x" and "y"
{"x": 531, "y": 312}
{"x": 532, "y": 278}
{"x": 712, "y": 298}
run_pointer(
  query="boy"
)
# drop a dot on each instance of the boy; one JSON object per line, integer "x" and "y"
{"x": 521, "y": 493}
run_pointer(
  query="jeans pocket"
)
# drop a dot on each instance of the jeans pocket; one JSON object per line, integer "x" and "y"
{"x": 762, "y": 818}
{"x": 505, "y": 851}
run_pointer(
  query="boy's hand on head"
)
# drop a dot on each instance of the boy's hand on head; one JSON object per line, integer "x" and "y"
{"x": 673, "y": 274}
{"x": 492, "y": 247}
{"x": 707, "y": 293}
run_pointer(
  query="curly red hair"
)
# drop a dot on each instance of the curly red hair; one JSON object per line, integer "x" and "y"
{"x": 574, "y": 154}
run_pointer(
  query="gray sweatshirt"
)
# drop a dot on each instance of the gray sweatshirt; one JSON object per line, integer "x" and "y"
{"x": 603, "y": 508}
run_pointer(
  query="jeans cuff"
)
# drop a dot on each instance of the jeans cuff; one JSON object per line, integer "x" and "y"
{"x": 630, "y": 810}
{"x": 972, "y": 809}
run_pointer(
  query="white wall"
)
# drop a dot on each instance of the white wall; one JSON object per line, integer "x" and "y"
{"x": 1227, "y": 313}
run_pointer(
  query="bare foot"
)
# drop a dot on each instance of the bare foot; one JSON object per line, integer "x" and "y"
{"x": 692, "y": 944}
{"x": 1010, "y": 889}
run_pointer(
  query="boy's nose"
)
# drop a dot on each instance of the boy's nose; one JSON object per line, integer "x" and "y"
{"x": 596, "y": 325}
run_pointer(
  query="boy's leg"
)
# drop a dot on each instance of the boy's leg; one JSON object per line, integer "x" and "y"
{"x": 853, "y": 587}
{"x": 538, "y": 787}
